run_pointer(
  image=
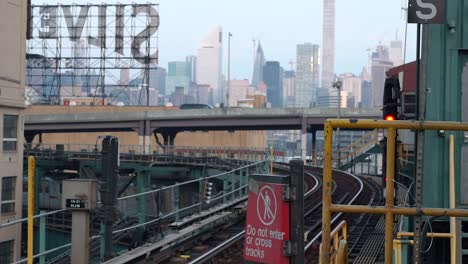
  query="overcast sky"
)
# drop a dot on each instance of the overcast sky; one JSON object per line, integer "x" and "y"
{"x": 279, "y": 25}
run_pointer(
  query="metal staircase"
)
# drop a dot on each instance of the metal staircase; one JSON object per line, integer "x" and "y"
{"x": 360, "y": 150}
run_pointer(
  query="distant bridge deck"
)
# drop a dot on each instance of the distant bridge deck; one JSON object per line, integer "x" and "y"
{"x": 226, "y": 119}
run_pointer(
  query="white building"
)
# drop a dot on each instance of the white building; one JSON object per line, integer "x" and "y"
{"x": 329, "y": 98}
{"x": 209, "y": 63}
{"x": 12, "y": 102}
{"x": 352, "y": 84}
{"x": 328, "y": 45}
{"x": 238, "y": 91}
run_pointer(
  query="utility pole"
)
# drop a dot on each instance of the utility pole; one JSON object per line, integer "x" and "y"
{"x": 338, "y": 84}
{"x": 110, "y": 163}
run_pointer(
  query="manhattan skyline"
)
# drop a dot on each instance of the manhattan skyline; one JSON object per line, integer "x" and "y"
{"x": 280, "y": 27}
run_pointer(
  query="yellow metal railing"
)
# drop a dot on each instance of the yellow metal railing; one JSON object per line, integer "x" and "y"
{"x": 389, "y": 210}
{"x": 339, "y": 238}
{"x": 453, "y": 233}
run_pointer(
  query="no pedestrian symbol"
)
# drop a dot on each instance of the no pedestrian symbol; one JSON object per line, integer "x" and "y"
{"x": 267, "y": 205}
{"x": 267, "y": 226}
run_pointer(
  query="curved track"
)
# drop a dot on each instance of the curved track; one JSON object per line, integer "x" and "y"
{"x": 224, "y": 244}
{"x": 232, "y": 247}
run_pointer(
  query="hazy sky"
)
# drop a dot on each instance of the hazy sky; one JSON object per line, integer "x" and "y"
{"x": 279, "y": 25}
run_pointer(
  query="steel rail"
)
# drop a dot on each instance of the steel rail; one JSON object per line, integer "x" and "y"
{"x": 219, "y": 248}
{"x": 311, "y": 242}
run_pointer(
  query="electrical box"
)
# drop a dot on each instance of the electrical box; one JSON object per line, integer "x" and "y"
{"x": 79, "y": 194}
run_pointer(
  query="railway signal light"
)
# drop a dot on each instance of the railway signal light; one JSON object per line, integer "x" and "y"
{"x": 391, "y": 98}
{"x": 208, "y": 191}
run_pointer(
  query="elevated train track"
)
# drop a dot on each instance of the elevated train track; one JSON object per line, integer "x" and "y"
{"x": 220, "y": 235}
{"x": 361, "y": 192}
{"x": 225, "y": 243}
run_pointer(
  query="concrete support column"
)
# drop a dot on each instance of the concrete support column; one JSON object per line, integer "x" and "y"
{"x": 141, "y": 142}
{"x": 304, "y": 140}
{"x": 144, "y": 136}
{"x": 304, "y": 146}
{"x": 147, "y": 137}
{"x": 29, "y": 137}
{"x": 80, "y": 237}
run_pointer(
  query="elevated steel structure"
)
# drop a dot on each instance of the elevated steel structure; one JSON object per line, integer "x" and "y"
{"x": 85, "y": 49}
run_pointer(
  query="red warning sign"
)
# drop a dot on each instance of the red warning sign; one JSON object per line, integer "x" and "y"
{"x": 267, "y": 224}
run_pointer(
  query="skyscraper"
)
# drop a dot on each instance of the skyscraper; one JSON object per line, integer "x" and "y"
{"x": 157, "y": 79}
{"x": 380, "y": 65}
{"x": 366, "y": 100}
{"x": 192, "y": 61}
{"x": 353, "y": 85}
{"x": 209, "y": 62}
{"x": 307, "y": 74}
{"x": 328, "y": 45}
{"x": 289, "y": 89}
{"x": 273, "y": 78}
{"x": 258, "y": 66}
{"x": 396, "y": 52}
{"x": 178, "y": 75}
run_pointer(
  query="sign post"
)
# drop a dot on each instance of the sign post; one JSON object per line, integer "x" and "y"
{"x": 79, "y": 195}
{"x": 267, "y": 236}
{"x": 296, "y": 187}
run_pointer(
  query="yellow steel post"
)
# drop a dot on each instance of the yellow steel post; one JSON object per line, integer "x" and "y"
{"x": 390, "y": 191}
{"x": 342, "y": 255}
{"x": 31, "y": 167}
{"x": 453, "y": 224}
{"x": 327, "y": 192}
{"x": 397, "y": 244}
{"x": 320, "y": 253}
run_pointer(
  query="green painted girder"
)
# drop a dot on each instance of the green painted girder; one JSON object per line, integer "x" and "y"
{"x": 447, "y": 53}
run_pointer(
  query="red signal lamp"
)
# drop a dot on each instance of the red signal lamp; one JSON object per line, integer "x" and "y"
{"x": 390, "y": 118}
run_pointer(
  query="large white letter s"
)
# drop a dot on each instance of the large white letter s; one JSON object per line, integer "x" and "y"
{"x": 430, "y": 6}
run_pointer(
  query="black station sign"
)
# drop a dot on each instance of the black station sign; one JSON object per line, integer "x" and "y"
{"x": 426, "y": 11}
{"x": 75, "y": 204}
